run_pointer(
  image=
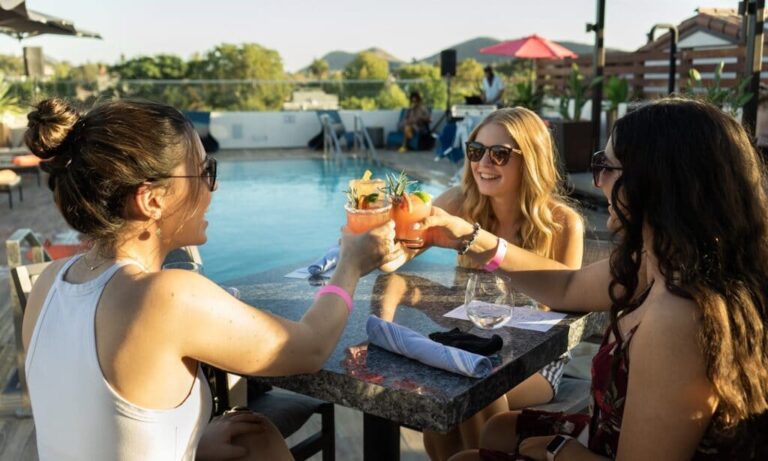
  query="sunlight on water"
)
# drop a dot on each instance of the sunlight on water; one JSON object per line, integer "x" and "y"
{"x": 271, "y": 213}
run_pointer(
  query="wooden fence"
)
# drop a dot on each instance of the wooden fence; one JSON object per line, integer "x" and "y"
{"x": 648, "y": 72}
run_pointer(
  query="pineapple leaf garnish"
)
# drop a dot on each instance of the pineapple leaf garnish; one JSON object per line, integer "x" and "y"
{"x": 351, "y": 194}
{"x": 397, "y": 186}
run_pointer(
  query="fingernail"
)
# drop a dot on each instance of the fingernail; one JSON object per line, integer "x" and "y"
{"x": 416, "y": 226}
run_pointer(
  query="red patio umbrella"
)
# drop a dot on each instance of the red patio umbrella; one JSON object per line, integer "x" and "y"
{"x": 531, "y": 47}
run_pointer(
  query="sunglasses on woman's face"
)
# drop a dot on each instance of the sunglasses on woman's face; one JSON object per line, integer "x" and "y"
{"x": 599, "y": 164}
{"x": 208, "y": 173}
{"x": 498, "y": 154}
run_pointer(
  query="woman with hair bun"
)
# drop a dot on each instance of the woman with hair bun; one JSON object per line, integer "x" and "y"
{"x": 113, "y": 343}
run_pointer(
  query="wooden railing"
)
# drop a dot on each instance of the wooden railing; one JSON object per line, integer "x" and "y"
{"x": 648, "y": 72}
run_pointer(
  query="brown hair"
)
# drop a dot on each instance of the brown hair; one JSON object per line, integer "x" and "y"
{"x": 98, "y": 159}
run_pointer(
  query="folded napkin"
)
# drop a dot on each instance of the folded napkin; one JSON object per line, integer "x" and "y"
{"x": 326, "y": 262}
{"x": 468, "y": 341}
{"x": 404, "y": 341}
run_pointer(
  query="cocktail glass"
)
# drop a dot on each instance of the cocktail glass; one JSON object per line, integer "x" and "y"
{"x": 359, "y": 221}
{"x": 367, "y": 186}
{"x": 405, "y": 218}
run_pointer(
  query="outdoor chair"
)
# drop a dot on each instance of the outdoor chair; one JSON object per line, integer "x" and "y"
{"x": 21, "y": 161}
{"x": 334, "y": 132}
{"x": 8, "y": 182}
{"x": 419, "y": 141}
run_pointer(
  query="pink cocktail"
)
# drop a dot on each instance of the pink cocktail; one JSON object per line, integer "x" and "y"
{"x": 359, "y": 221}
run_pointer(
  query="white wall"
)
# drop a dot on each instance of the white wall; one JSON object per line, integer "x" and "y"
{"x": 247, "y": 130}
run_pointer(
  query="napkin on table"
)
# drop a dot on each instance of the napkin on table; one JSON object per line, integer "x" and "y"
{"x": 404, "y": 341}
{"x": 326, "y": 262}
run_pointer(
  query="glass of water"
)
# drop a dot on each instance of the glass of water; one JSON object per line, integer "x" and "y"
{"x": 487, "y": 300}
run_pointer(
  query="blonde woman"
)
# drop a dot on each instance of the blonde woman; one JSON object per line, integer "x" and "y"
{"x": 510, "y": 188}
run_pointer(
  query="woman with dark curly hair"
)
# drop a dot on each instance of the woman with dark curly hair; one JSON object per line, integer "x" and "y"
{"x": 682, "y": 372}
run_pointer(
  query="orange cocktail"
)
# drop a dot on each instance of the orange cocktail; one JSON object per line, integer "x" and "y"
{"x": 359, "y": 221}
{"x": 367, "y": 206}
{"x": 407, "y": 210}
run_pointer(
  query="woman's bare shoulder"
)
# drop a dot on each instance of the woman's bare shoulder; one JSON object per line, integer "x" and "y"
{"x": 451, "y": 200}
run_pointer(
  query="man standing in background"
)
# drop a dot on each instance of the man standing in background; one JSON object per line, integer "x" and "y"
{"x": 493, "y": 87}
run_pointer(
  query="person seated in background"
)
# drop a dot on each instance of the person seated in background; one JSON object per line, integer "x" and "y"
{"x": 493, "y": 87}
{"x": 416, "y": 121}
{"x": 511, "y": 188}
{"x": 113, "y": 343}
{"x": 682, "y": 371}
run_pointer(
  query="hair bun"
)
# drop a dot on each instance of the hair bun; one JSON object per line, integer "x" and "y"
{"x": 49, "y": 125}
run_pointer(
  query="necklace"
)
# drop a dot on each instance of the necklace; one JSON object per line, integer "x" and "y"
{"x": 92, "y": 267}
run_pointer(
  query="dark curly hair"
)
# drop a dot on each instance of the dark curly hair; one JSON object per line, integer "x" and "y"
{"x": 691, "y": 174}
{"x": 97, "y": 159}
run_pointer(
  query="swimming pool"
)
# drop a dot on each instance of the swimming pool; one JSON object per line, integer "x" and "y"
{"x": 271, "y": 213}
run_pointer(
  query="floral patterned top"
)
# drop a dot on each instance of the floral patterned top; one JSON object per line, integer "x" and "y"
{"x": 609, "y": 394}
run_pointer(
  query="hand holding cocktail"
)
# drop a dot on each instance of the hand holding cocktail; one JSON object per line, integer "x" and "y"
{"x": 408, "y": 208}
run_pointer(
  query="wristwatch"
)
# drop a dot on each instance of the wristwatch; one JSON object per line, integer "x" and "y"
{"x": 557, "y": 444}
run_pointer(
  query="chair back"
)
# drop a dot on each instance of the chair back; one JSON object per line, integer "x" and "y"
{"x": 24, "y": 278}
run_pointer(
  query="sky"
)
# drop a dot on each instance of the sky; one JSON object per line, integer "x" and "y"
{"x": 301, "y": 30}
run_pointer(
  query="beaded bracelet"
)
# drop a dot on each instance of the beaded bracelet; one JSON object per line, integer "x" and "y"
{"x": 465, "y": 244}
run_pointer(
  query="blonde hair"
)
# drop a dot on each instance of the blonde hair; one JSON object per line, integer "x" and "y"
{"x": 540, "y": 191}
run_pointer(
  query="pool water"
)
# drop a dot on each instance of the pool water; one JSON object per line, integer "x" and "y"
{"x": 272, "y": 213}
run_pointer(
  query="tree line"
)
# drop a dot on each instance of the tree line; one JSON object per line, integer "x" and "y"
{"x": 247, "y": 76}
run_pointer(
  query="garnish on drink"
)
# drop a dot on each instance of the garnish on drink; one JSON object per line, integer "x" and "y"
{"x": 408, "y": 208}
{"x": 366, "y": 205}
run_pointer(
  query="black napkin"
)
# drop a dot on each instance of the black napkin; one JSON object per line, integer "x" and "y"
{"x": 468, "y": 342}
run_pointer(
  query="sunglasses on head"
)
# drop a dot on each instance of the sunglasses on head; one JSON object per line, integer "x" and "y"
{"x": 598, "y": 165}
{"x": 208, "y": 173}
{"x": 498, "y": 154}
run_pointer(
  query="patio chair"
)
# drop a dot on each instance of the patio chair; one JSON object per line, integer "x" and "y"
{"x": 419, "y": 141}
{"x": 8, "y": 182}
{"x": 21, "y": 161}
{"x": 334, "y": 132}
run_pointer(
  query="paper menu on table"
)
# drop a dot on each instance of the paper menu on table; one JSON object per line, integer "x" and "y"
{"x": 525, "y": 318}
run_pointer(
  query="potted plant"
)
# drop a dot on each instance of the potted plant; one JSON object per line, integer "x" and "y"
{"x": 728, "y": 99}
{"x": 615, "y": 93}
{"x": 573, "y": 136}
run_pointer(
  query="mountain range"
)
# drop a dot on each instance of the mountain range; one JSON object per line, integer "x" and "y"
{"x": 337, "y": 60}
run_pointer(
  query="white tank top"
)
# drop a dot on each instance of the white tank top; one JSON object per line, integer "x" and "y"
{"x": 78, "y": 416}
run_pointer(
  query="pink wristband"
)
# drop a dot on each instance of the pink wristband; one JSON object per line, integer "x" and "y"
{"x": 338, "y": 291}
{"x": 495, "y": 262}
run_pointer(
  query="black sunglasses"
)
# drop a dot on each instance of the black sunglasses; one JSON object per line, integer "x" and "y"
{"x": 499, "y": 154}
{"x": 598, "y": 165}
{"x": 208, "y": 173}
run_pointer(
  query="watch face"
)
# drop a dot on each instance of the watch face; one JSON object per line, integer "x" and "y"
{"x": 556, "y": 443}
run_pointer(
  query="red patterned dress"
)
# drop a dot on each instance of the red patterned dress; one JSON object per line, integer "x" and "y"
{"x": 609, "y": 394}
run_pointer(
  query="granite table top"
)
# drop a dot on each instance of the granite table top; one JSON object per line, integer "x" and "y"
{"x": 399, "y": 389}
